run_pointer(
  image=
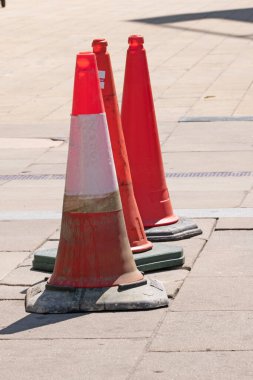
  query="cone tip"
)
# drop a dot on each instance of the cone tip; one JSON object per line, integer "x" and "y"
{"x": 135, "y": 40}
{"x": 99, "y": 45}
{"x": 85, "y": 60}
{"x": 87, "y": 97}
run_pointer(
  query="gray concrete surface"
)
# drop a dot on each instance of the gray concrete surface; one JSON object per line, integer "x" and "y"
{"x": 200, "y": 60}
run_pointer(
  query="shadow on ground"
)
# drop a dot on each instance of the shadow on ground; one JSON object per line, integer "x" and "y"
{"x": 242, "y": 15}
{"x": 33, "y": 321}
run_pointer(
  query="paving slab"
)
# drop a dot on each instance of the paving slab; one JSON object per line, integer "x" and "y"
{"x": 12, "y": 292}
{"x": 234, "y": 224}
{"x": 30, "y": 198}
{"x": 224, "y": 264}
{"x": 205, "y": 183}
{"x": 24, "y": 276}
{"x": 17, "y": 324}
{"x": 205, "y": 137}
{"x": 207, "y": 199}
{"x": 56, "y": 186}
{"x": 46, "y": 169}
{"x": 215, "y": 293}
{"x": 10, "y": 260}
{"x": 205, "y": 331}
{"x": 13, "y": 167}
{"x": 22, "y": 143}
{"x": 230, "y": 240}
{"x": 227, "y": 253}
{"x": 33, "y": 193}
{"x": 21, "y": 153}
{"x": 209, "y": 161}
{"x": 53, "y": 157}
{"x": 27, "y": 205}
{"x": 218, "y": 365}
{"x": 36, "y": 130}
{"x": 25, "y": 235}
{"x": 75, "y": 359}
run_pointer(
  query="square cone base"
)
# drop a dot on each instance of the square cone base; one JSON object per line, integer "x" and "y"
{"x": 161, "y": 256}
{"x": 183, "y": 229}
{"x": 142, "y": 295}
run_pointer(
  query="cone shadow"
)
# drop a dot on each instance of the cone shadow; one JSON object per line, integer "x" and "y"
{"x": 242, "y": 15}
{"x": 33, "y": 321}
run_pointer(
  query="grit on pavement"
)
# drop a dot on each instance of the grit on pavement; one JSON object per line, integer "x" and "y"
{"x": 200, "y": 56}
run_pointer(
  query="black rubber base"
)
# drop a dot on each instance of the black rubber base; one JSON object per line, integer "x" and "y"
{"x": 144, "y": 295}
{"x": 161, "y": 256}
{"x": 183, "y": 229}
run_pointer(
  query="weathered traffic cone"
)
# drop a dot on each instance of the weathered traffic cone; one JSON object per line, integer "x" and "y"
{"x": 135, "y": 230}
{"x": 144, "y": 152}
{"x": 161, "y": 255}
{"x": 94, "y": 268}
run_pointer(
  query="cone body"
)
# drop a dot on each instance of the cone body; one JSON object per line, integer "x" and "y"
{"x": 135, "y": 230}
{"x": 94, "y": 250}
{"x": 142, "y": 141}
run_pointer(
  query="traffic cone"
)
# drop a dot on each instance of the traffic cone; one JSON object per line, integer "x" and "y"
{"x": 135, "y": 230}
{"x": 144, "y": 153}
{"x": 94, "y": 267}
{"x": 162, "y": 255}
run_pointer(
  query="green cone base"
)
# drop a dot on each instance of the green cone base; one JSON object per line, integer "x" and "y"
{"x": 161, "y": 256}
{"x": 146, "y": 294}
{"x": 183, "y": 229}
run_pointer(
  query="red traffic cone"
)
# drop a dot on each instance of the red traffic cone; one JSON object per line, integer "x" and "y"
{"x": 94, "y": 267}
{"x": 134, "y": 225}
{"x": 144, "y": 153}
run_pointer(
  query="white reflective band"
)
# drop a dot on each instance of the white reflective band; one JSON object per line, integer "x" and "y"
{"x": 90, "y": 166}
{"x": 101, "y": 75}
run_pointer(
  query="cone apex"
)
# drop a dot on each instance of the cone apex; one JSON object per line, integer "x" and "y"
{"x": 87, "y": 97}
{"x": 99, "y": 45}
{"x": 135, "y": 40}
{"x": 85, "y": 60}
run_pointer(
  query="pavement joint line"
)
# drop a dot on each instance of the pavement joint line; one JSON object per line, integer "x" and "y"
{"x": 197, "y": 256}
{"x": 221, "y": 276}
{"x": 3, "y": 284}
{"x": 10, "y": 251}
{"x": 190, "y": 213}
{"x": 147, "y": 345}
{"x": 208, "y": 119}
{"x": 216, "y": 213}
{"x": 54, "y": 339}
{"x": 234, "y": 229}
{"x": 10, "y": 299}
{"x": 22, "y": 285}
{"x": 40, "y": 177}
{"x": 213, "y": 311}
{"x": 207, "y": 350}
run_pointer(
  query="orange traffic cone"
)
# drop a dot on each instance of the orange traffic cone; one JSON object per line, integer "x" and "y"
{"x": 94, "y": 268}
{"x": 134, "y": 225}
{"x": 160, "y": 255}
{"x": 144, "y": 153}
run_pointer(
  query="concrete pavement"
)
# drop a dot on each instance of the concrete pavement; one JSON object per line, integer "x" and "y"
{"x": 200, "y": 59}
